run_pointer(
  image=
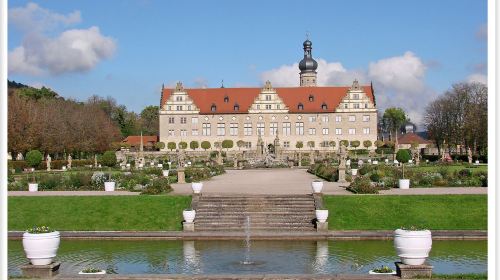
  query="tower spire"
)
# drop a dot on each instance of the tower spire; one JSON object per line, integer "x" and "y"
{"x": 308, "y": 65}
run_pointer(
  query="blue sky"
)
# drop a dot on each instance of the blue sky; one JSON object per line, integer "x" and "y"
{"x": 411, "y": 50}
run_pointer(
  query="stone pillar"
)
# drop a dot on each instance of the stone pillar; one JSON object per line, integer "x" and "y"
{"x": 412, "y": 271}
{"x": 322, "y": 227}
{"x": 41, "y": 271}
{"x": 187, "y": 226}
{"x": 342, "y": 169}
{"x": 300, "y": 159}
{"x": 181, "y": 177}
{"x": 235, "y": 162}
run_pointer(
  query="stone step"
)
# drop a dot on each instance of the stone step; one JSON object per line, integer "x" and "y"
{"x": 206, "y": 228}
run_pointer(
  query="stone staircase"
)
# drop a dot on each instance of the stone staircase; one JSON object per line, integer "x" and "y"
{"x": 266, "y": 212}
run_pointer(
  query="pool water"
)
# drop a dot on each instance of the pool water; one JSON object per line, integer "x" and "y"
{"x": 226, "y": 257}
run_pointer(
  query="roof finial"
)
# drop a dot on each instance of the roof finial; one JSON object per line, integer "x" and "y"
{"x": 307, "y": 35}
{"x": 222, "y": 84}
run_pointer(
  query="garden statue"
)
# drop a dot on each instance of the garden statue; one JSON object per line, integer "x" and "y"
{"x": 19, "y": 156}
{"x": 48, "y": 162}
{"x": 235, "y": 161}
{"x": 469, "y": 155}
{"x": 360, "y": 163}
{"x": 9, "y": 156}
{"x": 311, "y": 157}
{"x": 342, "y": 163}
{"x": 95, "y": 160}
{"x": 181, "y": 158}
{"x": 69, "y": 161}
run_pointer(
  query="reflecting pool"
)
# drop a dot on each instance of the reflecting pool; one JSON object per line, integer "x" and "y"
{"x": 224, "y": 257}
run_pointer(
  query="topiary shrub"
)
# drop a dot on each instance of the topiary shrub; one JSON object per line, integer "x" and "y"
{"x": 403, "y": 156}
{"x": 465, "y": 173}
{"x": 375, "y": 177}
{"x": 109, "y": 158}
{"x": 34, "y": 158}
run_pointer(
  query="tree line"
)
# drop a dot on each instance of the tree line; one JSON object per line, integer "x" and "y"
{"x": 41, "y": 119}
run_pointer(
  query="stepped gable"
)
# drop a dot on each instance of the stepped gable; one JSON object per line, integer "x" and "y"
{"x": 225, "y": 99}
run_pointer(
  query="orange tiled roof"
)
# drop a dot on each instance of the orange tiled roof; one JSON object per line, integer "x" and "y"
{"x": 409, "y": 138}
{"x": 136, "y": 139}
{"x": 244, "y": 97}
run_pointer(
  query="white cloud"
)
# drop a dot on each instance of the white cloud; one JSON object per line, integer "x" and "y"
{"x": 477, "y": 77}
{"x": 74, "y": 50}
{"x": 34, "y": 18}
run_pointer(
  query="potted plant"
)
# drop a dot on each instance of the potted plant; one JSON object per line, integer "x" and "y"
{"x": 412, "y": 244}
{"x": 189, "y": 215}
{"x": 403, "y": 156}
{"x": 354, "y": 168}
{"x": 110, "y": 184}
{"x": 33, "y": 185}
{"x": 196, "y": 186}
{"x": 165, "y": 172}
{"x": 321, "y": 215}
{"x": 384, "y": 270}
{"x": 92, "y": 271}
{"x": 40, "y": 244}
{"x": 317, "y": 186}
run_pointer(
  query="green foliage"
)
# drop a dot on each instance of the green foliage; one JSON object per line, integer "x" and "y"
{"x": 394, "y": 118}
{"x": 227, "y": 144}
{"x": 157, "y": 186}
{"x": 375, "y": 177}
{"x": 379, "y": 143}
{"x": 39, "y": 229}
{"x": 34, "y": 158}
{"x": 310, "y": 144}
{"x": 327, "y": 172}
{"x": 171, "y": 146}
{"x": 344, "y": 142}
{"x": 403, "y": 156}
{"x": 205, "y": 145}
{"x": 355, "y": 143}
{"x": 183, "y": 145}
{"x": 35, "y": 93}
{"x": 331, "y": 144}
{"x": 367, "y": 144}
{"x": 193, "y": 145}
{"x": 109, "y": 158}
{"x": 299, "y": 145}
{"x": 160, "y": 145}
{"x": 362, "y": 185}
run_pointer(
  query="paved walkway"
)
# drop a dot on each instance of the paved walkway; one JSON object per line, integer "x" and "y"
{"x": 70, "y": 193}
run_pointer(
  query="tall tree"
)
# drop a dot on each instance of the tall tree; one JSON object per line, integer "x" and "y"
{"x": 149, "y": 120}
{"x": 393, "y": 119}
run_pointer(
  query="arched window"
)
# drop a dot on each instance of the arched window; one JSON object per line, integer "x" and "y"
{"x": 213, "y": 108}
{"x": 324, "y": 106}
{"x": 300, "y": 106}
{"x": 236, "y": 107}
{"x": 311, "y": 98}
{"x": 226, "y": 99}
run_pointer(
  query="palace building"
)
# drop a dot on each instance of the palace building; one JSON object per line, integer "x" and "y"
{"x": 313, "y": 115}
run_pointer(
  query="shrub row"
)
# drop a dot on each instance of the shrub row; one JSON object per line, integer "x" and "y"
{"x": 20, "y": 165}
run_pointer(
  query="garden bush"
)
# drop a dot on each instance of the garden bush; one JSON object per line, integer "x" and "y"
{"x": 375, "y": 177}
{"x": 157, "y": 186}
{"x": 362, "y": 185}
{"x": 34, "y": 158}
{"x": 327, "y": 172}
{"x": 109, "y": 158}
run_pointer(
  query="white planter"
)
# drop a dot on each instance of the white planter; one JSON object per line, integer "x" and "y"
{"x": 321, "y": 215}
{"x": 64, "y": 168}
{"x": 33, "y": 187}
{"x": 109, "y": 186}
{"x": 92, "y": 273}
{"x": 189, "y": 215}
{"x": 354, "y": 171}
{"x": 160, "y": 165}
{"x": 412, "y": 247}
{"x": 41, "y": 248}
{"x": 380, "y": 273}
{"x": 197, "y": 186}
{"x": 165, "y": 173}
{"x": 375, "y": 162}
{"x": 317, "y": 186}
{"x": 404, "y": 184}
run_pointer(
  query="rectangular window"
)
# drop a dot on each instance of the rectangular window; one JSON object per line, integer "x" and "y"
{"x": 183, "y": 120}
{"x": 366, "y": 130}
{"x": 299, "y": 128}
{"x": 170, "y": 108}
{"x": 366, "y": 118}
{"x": 312, "y": 131}
{"x": 312, "y": 118}
{"x": 248, "y": 145}
{"x": 324, "y": 119}
{"x": 273, "y": 128}
{"x": 171, "y": 132}
{"x": 179, "y": 108}
{"x": 325, "y": 131}
{"x": 287, "y": 130}
{"x": 352, "y": 131}
{"x": 346, "y": 106}
{"x": 247, "y": 129}
{"x": 268, "y": 106}
{"x": 324, "y": 144}
{"x": 338, "y": 131}
{"x": 206, "y": 129}
{"x": 189, "y": 107}
{"x": 184, "y": 132}
{"x": 194, "y": 120}
{"x": 355, "y": 96}
{"x": 352, "y": 118}
{"x": 221, "y": 129}
{"x": 286, "y": 144}
{"x": 268, "y": 97}
{"x": 178, "y": 98}
{"x": 171, "y": 120}
{"x": 356, "y": 105}
{"x": 194, "y": 132}
{"x": 258, "y": 107}
{"x": 233, "y": 129}
{"x": 260, "y": 128}
{"x": 338, "y": 118}
{"x": 278, "y": 106}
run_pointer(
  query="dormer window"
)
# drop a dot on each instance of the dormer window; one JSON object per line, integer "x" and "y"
{"x": 300, "y": 106}
{"x": 311, "y": 98}
{"x": 324, "y": 106}
{"x": 226, "y": 99}
{"x": 213, "y": 108}
{"x": 236, "y": 107}
{"x": 346, "y": 106}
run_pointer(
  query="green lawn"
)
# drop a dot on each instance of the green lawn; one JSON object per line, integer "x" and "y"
{"x": 371, "y": 212}
{"x": 140, "y": 213}
{"x": 451, "y": 168}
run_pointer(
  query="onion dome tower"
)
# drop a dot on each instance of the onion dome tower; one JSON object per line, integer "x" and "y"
{"x": 308, "y": 66}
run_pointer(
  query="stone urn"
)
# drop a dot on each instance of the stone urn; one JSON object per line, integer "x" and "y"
{"x": 412, "y": 246}
{"x": 196, "y": 186}
{"x": 41, "y": 248}
{"x": 109, "y": 186}
{"x": 354, "y": 171}
{"x": 322, "y": 215}
{"x": 165, "y": 173}
{"x": 404, "y": 184}
{"x": 317, "y": 186}
{"x": 189, "y": 215}
{"x": 33, "y": 187}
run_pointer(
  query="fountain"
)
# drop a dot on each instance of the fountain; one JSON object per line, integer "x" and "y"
{"x": 247, "y": 243}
